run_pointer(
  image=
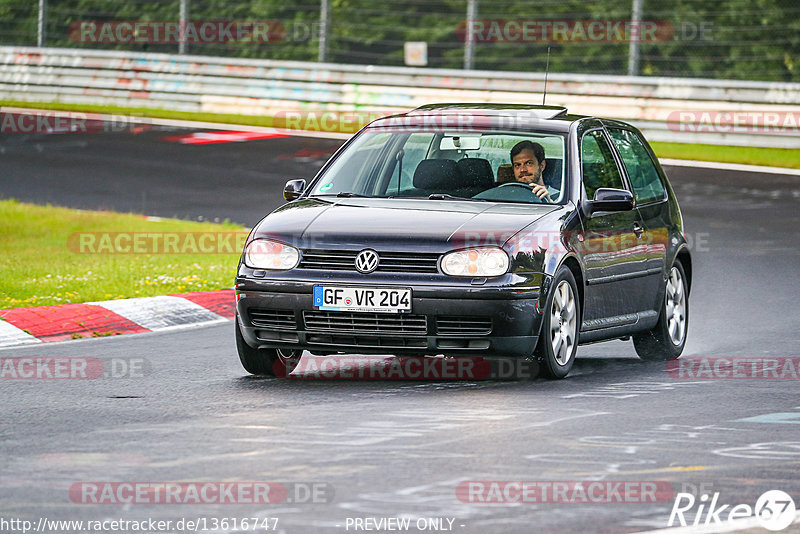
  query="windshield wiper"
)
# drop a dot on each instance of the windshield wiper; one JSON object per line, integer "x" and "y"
{"x": 445, "y": 196}
{"x": 350, "y": 194}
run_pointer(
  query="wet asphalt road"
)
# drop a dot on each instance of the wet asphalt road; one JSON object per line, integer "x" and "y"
{"x": 142, "y": 173}
{"x": 384, "y": 448}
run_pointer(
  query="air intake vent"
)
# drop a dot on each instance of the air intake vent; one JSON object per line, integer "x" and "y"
{"x": 368, "y": 323}
{"x": 464, "y": 326}
{"x": 273, "y": 319}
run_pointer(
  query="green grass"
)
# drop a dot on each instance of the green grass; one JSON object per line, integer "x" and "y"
{"x": 42, "y": 263}
{"x": 773, "y": 157}
{"x": 267, "y": 121}
{"x": 225, "y": 118}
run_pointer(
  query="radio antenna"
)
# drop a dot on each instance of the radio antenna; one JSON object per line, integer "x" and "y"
{"x": 546, "y": 71}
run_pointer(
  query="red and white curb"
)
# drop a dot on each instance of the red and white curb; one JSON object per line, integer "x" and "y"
{"x": 112, "y": 317}
{"x": 211, "y": 138}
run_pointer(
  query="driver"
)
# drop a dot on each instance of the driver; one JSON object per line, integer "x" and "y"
{"x": 527, "y": 159}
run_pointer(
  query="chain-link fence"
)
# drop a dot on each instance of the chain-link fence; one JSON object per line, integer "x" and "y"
{"x": 735, "y": 39}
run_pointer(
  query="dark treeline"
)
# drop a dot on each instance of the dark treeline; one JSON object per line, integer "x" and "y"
{"x": 733, "y": 39}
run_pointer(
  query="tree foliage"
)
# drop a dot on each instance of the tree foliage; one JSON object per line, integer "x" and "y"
{"x": 726, "y": 39}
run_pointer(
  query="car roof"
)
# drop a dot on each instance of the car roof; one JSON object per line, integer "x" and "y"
{"x": 515, "y": 116}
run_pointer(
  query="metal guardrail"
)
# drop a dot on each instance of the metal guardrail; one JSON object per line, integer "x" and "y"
{"x": 224, "y": 85}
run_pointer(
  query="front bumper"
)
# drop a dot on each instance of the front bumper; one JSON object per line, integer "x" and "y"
{"x": 449, "y": 320}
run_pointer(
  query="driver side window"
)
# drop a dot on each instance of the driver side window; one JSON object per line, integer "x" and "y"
{"x": 598, "y": 164}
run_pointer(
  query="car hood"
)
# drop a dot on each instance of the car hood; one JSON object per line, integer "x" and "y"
{"x": 396, "y": 224}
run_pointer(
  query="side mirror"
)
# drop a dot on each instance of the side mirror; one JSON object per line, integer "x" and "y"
{"x": 607, "y": 199}
{"x": 293, "y": 189}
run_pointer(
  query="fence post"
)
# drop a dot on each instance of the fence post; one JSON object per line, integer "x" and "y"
{"x": 469, "y": 42}
{"x": 636, "y": 38}
{"x": 41, "y": 36}
{"x": 324, "y": 28}
{"x": 184, "y": 17}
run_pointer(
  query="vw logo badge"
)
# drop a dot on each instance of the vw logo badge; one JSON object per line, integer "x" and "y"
{"x": 367, "y": 261}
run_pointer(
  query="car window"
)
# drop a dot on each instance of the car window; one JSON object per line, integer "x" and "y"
{"x": 598, "y": 164}
{"x": 352, "y": 173}
{"x": 415, "y": 150}
{"x": 497, "y": 148}
{"x": 644, "y": 177}
{"x": 399, "y": 163}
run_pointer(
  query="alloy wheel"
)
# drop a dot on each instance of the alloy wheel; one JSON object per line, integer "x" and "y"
{"x": 675, "y": 307}
{"x": 563, "y": 323}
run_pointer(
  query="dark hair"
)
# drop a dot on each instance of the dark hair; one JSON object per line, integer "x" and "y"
{"x": 538, "y": 150}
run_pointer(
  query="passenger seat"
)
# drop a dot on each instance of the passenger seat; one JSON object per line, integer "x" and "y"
{"x": 476, "y": 175}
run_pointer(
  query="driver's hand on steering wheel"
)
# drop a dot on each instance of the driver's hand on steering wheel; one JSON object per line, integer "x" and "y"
{"x": 541, "y": 192}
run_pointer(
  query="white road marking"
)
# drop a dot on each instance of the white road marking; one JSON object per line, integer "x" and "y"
{"x": 778, "y": 450}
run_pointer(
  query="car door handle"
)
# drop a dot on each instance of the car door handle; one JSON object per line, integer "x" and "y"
{"x": 637, "y": 229}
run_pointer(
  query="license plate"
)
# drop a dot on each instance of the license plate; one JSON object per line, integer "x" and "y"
{"x": 362, "y": 299}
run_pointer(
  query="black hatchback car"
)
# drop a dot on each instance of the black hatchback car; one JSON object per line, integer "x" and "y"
{"x": 471, "y": 230}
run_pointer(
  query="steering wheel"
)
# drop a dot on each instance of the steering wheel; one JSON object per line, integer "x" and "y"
{"x": 527, "y": 188}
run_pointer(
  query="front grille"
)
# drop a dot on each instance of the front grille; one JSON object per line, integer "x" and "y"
{"x": 395, "y": 324}
{"x": 403, "y": 262}
{"x": 390, "y": 262}
{"x": 277, "y": 319}
{"x": 465, "y": 326}
{"x": 338, "y": 260}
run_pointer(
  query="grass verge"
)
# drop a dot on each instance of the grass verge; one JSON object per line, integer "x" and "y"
{"x": 43, "y": 260}
{"x": 773, "y": 157}
{"x": 770, "y": 157}
{"x": 223, "y": 118}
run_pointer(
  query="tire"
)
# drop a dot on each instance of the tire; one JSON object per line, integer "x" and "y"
{"x": 265, "y": 362}
{"x": 667, "y": 339}
{"x": 558, "y": 340}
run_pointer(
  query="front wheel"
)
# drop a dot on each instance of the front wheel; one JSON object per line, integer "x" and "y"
{"x": 268, "y": 362}
{"x": 558, "y": 341}
{"x": 667, "y": 339}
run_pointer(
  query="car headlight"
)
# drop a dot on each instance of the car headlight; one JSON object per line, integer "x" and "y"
{"x": 487, "y": 261}
{"x": 266, "y": 254}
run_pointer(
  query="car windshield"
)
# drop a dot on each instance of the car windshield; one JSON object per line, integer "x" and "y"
{"x": 442, "y": 165}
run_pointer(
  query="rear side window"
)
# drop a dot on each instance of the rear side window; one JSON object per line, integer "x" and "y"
{"x": 646, "y": 182}
{"x": 598, "y": 164}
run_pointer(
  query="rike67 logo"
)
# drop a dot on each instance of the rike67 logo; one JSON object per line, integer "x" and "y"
{"x": 774, "y": 510}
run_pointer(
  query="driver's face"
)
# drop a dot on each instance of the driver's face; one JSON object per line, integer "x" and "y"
{"x": 526, "y": 167}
